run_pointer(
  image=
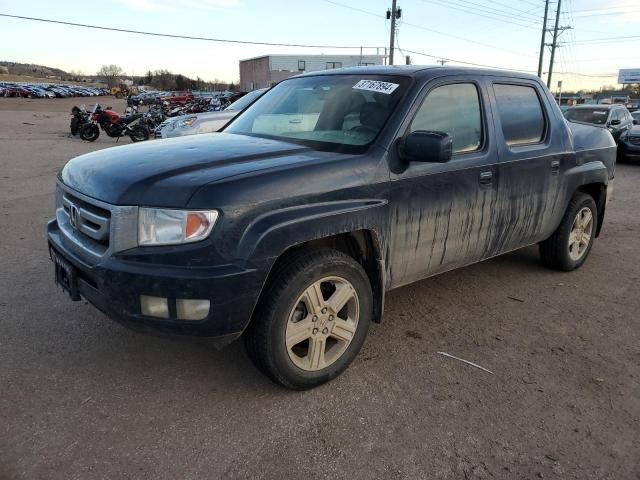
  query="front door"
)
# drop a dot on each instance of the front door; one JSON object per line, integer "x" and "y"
{"x": 440, "y": 212}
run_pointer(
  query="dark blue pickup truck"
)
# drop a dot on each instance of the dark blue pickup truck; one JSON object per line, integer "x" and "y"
{"x": 330, "y": 190}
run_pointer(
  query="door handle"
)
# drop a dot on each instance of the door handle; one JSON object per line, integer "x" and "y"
{"x": 555, "y": 167}
{"x": 486, "y": 178}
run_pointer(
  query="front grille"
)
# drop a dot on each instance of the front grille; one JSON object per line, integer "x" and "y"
{"x": 90, "y": 220}
{"x": 94, "y": 229}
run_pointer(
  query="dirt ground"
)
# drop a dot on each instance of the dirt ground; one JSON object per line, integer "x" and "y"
{"x": 82, "y": 397}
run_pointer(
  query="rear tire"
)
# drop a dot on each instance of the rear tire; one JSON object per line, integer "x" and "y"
{"x": 89, "y": 132}
{"x": 569, "y": 246}
{"x": 312, "y": 319}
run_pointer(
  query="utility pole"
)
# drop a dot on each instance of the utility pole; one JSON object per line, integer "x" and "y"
{"x": 442, "y": 61}
{"x": 544, "y": 37}
{"x": 392, "y": 15}
{"x": 554, "y": 44}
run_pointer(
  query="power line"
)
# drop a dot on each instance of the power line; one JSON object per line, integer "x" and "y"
{"x": 620, "y": 8}
{"x": 440, "y": 57}
{"x": 247, "y": 42}
{"x": 531, "y": 3}
{"x": 499, "y": 12}
{"x": 185, "y": 37}
{"x": 525, "y": 12}
{"x": 426, "y": 29}
{"x": 484, "y": 15}
{"x": 597, "y": 40}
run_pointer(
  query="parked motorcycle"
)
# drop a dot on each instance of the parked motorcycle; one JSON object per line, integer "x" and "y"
{"x": 154, "y": 117}
{"x": 79, "y": 117}
{"x": 114, "y": 126}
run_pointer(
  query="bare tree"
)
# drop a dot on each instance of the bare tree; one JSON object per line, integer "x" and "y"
{"x": 110, "y": 74}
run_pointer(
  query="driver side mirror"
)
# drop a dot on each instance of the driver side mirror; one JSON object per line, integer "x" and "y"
{"x": 615, "y": 122}
{"x": 426, "y": 146}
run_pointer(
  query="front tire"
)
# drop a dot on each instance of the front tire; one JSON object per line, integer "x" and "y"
{"x": 139, "y": 133}
{"x": 569, "y": 246}
{"x": 312, "y": 319}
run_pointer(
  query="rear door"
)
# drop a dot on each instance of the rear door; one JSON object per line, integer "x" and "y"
{"x": 440, "y": 211}
{"x": 532, "y": 157}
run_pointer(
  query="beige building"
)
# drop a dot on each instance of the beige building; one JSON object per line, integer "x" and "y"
{"x": 265, "y": 71}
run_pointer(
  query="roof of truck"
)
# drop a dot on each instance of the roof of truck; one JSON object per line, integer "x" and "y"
{"x": 598, "y": 106}
{"x": 421, "y": 71}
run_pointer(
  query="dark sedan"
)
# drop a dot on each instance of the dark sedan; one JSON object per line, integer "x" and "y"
{"x": 616, "y": 118}
{"x": 629, "y": 143}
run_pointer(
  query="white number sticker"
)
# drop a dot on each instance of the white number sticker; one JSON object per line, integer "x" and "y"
{"x": 376, "y": 86}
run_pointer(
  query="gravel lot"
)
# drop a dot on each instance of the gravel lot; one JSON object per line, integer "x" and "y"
{"x": 82, "y": 397}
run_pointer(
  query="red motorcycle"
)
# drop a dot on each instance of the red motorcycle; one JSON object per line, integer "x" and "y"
{"x": 114, "y": 125}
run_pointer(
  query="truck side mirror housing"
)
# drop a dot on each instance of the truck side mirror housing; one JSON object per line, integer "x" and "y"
{"x": 615, "y": 122}
{"x": 426, "y": 146}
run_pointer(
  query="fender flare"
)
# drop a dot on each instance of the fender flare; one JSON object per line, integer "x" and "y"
{"x": 272, "y": 234}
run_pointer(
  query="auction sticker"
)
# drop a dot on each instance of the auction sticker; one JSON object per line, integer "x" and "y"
{"x": 376, "y": 86}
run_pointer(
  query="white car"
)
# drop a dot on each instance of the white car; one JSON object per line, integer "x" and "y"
{"x": 206, "y": 122}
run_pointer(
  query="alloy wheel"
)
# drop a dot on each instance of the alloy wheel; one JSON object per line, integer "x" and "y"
{"x": 580, "y": 235}
{"x": 322, "y": 323}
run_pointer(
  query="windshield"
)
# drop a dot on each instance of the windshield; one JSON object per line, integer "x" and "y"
{"x": 244, "y": 101}
{"x": 333, "y": 112}
{"x": 597, "y": 116}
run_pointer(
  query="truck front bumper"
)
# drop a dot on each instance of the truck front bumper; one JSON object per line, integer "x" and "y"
{"x": 115, "y": 286}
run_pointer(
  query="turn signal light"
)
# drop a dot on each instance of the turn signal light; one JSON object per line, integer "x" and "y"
{"x": 197, "y": 223}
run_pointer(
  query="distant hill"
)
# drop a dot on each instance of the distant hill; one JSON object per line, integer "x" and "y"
{"x": 33, "y": 70}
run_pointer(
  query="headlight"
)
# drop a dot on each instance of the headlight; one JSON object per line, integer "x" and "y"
{"x": 170, "y": 227}
{"x": 186, "y": 123}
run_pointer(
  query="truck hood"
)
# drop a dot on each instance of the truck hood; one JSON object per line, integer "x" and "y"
{"x": 168, "y": 172}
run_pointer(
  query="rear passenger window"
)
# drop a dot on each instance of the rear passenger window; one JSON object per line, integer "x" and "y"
{"x": 455, "y": 110}
{"x": 521, "y": 114}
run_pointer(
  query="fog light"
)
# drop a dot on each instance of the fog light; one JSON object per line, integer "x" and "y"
{"x": 154, "y": 306}
{"x": 192, "y": 309}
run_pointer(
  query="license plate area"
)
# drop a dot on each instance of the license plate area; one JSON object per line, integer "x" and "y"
{"x": 65, "y": 276}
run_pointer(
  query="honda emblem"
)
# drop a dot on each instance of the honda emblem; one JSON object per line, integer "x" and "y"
{"x": 74, "y": 213}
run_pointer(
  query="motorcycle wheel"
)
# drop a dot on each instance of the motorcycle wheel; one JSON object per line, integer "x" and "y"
{"x": 89, "y": 132}
{"x": 75, "y": 124}
{"x": 139, "y": 133}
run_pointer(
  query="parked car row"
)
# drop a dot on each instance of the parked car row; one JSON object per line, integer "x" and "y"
{"x": 205, "y": 122}
{"x": 623, "y": 125}
{"x": 43, "y": 90}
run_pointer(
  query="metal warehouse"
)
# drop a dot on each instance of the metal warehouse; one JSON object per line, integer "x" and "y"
{"x": 265, "y": 71}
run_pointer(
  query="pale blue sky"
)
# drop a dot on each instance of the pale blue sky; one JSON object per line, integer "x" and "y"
{"x": 501, "y": 33}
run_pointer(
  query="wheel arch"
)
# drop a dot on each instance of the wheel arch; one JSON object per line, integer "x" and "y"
{"x": 598, "y": 191}
{"x": 361, "y": 245}
{"x": 591, "y": 178}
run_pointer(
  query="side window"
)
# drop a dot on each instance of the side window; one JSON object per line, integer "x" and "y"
{"x": 615, "y": 115}
{"x": 455, "y": 110}
{"x": 523, "y": 121}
